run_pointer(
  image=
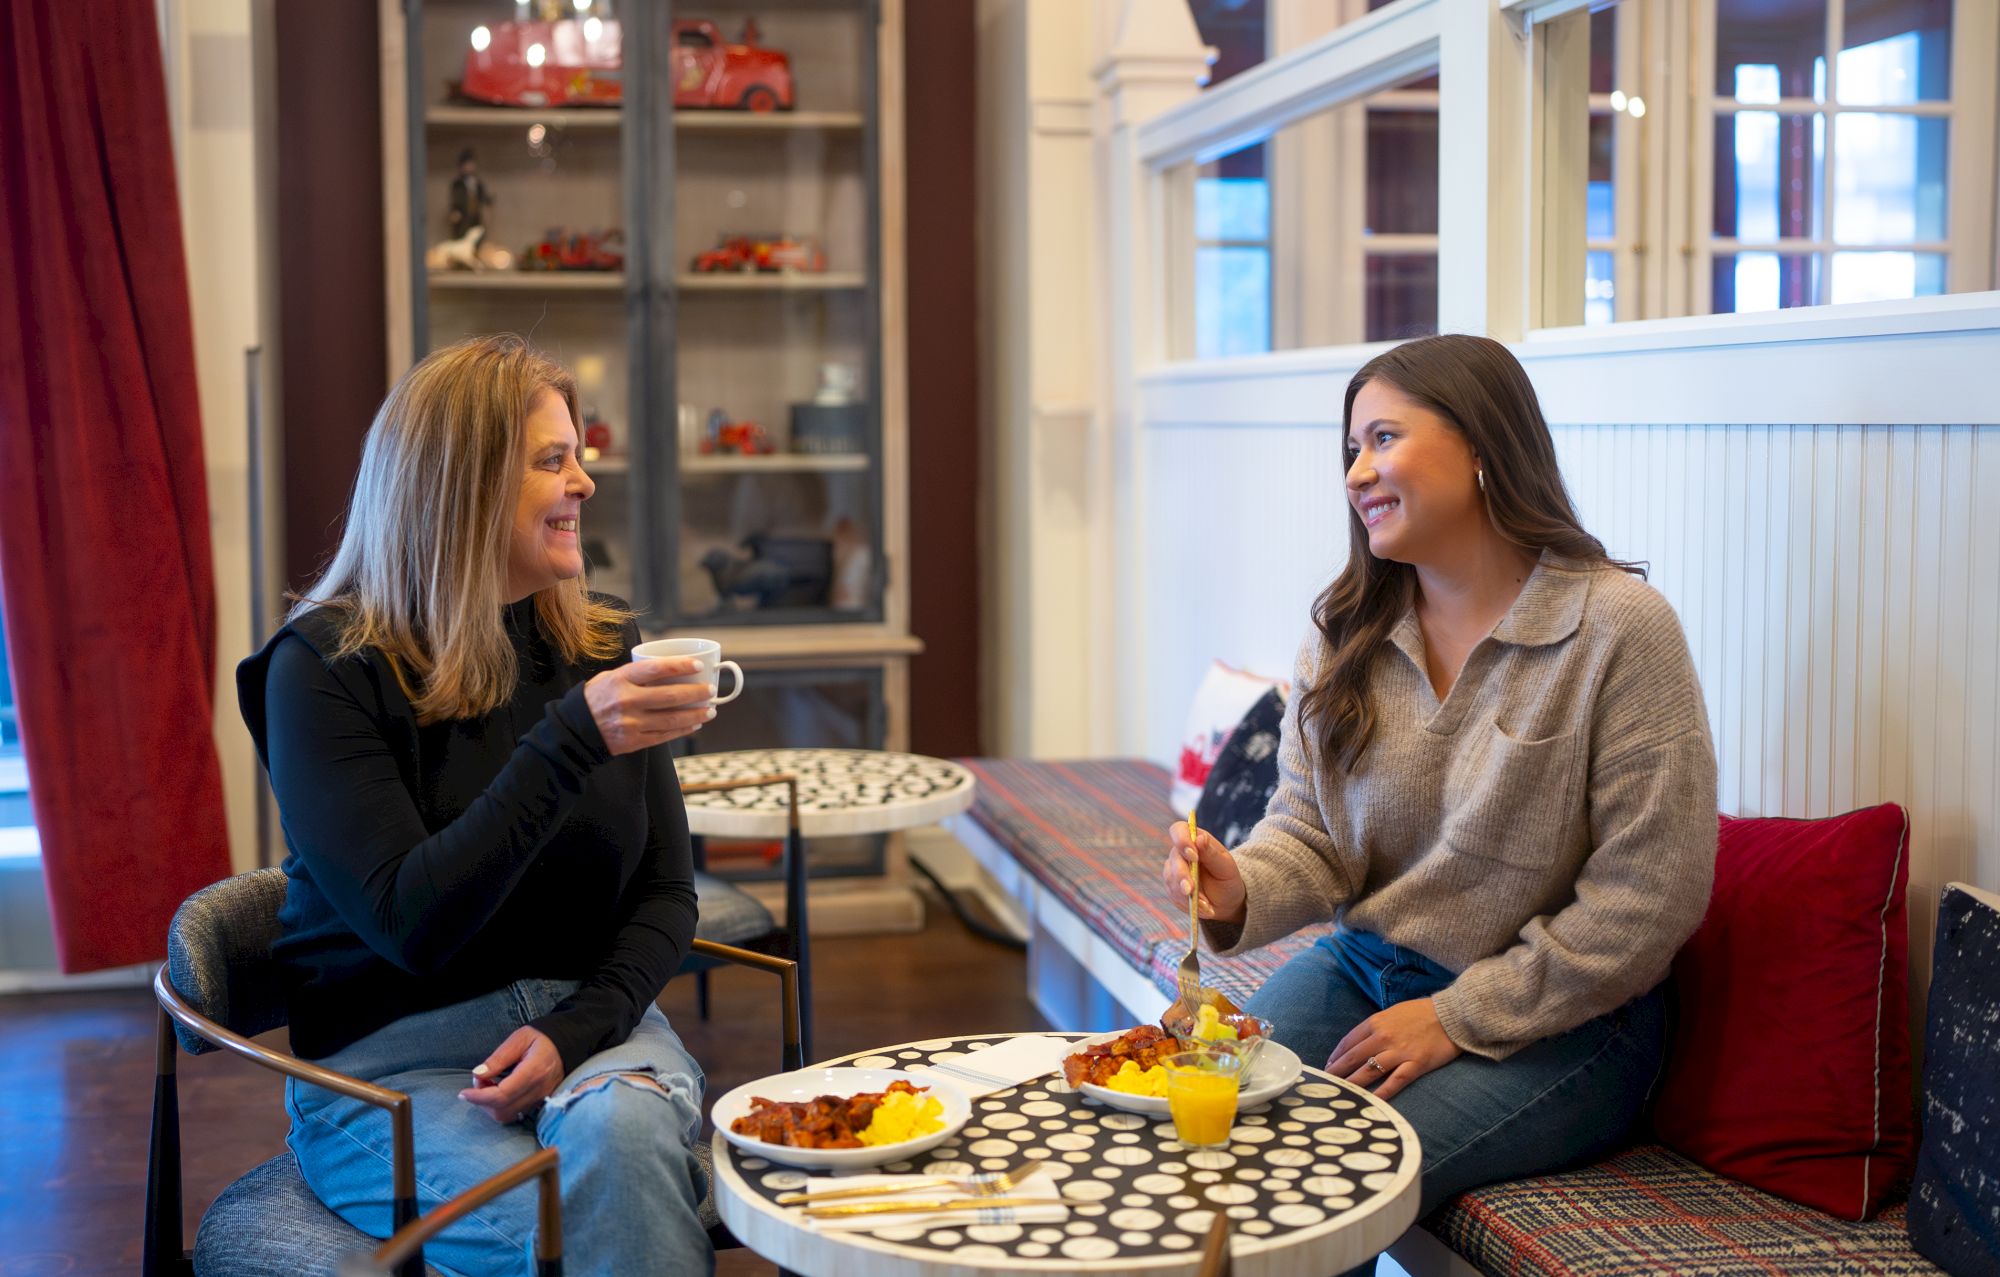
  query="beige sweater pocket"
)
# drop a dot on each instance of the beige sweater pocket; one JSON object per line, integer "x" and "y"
{"x": 1518, "y": 801}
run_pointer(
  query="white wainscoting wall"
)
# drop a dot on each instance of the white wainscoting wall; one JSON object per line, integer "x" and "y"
{"x": 1839, "y": 581}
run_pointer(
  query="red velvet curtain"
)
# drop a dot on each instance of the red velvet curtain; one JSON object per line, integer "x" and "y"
{"x": 104, "y": 551}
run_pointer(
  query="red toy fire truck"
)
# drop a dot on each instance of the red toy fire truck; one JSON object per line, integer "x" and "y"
{"x": 577, "y": 62}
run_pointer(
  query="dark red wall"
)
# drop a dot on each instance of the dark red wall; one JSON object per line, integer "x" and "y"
{"x": 333, "y": 341}
{"x": 331, "y": 309}
{"x": 944, "y": 377}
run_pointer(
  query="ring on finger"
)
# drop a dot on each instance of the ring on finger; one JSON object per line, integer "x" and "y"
{"x": 1377, "y": 1065}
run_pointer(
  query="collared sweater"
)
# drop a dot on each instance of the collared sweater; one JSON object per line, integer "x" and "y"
{"x": 1548, "y": 831}
{"x": 434, "y": 862}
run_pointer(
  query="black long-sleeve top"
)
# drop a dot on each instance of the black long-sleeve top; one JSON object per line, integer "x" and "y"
{"x": 431, "y": 864}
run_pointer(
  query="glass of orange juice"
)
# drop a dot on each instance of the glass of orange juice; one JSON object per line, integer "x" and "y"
{"x": 1201, "y": 1094}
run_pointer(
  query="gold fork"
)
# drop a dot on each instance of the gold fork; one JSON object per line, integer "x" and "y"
{"x": 1189, "y": 976}
{"x": 997, "y": 1184}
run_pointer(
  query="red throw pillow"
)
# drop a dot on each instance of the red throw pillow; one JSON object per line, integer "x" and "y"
{"x": 1790, "y": 1066}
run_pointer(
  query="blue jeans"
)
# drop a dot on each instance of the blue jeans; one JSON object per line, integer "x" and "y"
{"x": 630, "y": 1181}
{"x": 1557, "y": 1103}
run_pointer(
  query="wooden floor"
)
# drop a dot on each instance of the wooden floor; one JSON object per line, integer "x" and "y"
{"x": 76, "y": 1083}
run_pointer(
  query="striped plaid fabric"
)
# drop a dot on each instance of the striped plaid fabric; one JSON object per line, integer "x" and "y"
{"x": 1095, "y": 834}
{"x": 1652, "y": 1211}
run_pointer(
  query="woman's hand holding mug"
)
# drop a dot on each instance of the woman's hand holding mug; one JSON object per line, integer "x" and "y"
{"x": 1222, "y": 894}
{"x": 640, "y": 705}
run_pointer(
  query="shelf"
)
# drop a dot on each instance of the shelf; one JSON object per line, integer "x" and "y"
{"x": 778, "y": 463}
{"x": 526, "y": 281}
{"x": 507, "y": 117}
{"x": 758, "y": 282}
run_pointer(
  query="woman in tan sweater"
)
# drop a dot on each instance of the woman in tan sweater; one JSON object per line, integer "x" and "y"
{"x": 1495, "y": 775}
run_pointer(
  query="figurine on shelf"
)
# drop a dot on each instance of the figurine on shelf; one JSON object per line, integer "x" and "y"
{"x": 596, "y": 434}
{"x": 467, "y": 252}
{"x": 835, "y": 422}
{"x": 545, "y": 61}
{"x": 470, "y": 197}
{"x": 564, "y": 249}
{"x": 781, "y": 571}
{"x": 711, "y": 73}
{"x": 742, "y": 438}
{"x": 770, "y": 254}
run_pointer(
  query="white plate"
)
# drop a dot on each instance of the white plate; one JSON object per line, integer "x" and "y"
{"x": 1277, "y": 1067}
{"x": 810, "y": 1084}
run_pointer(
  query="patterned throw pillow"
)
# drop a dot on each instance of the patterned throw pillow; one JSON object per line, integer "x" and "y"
{"x": 1954, "y": 1217}
{"x": 1225, "y": 694}
{"x": 1245, "y": 774}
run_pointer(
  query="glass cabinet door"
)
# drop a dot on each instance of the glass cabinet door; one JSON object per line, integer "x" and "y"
{"x": 518, "y": 192}
{"x": 776, "y": 415}
{"x": 681, "y": 206}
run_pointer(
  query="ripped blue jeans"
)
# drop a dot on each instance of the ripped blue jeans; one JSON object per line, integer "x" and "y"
{"x": 631, "y": 1183}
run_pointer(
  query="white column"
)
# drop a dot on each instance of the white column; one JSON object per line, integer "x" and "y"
{"x": 1156, "y": 61}
{"x": 1040, "y": 369}
{"x": 213, "y": 115}
{"x": 1483, "y": 162}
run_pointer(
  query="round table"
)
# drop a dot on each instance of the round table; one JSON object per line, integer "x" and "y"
{"x": 1318, "y": 1180}
{"x": 841, "y": 792}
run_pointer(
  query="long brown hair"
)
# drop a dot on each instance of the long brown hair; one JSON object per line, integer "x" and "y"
{"x": 419, "y": 575}
{"x": 1476, "y": 385}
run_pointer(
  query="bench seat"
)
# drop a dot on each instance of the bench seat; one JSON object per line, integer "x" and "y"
{"x": 1650, "y": 1210}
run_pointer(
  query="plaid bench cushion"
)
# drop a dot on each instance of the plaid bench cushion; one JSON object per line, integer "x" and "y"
{"x": 1652, "y": 1211}
{"x": 1094, "y": 833}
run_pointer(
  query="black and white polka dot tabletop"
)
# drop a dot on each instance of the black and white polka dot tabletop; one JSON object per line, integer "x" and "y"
{"x": 841, "y": 791}
{"x": 1318, "y": 1180}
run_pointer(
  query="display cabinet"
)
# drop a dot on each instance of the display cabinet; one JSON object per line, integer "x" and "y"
{"x": 698, "y": 210}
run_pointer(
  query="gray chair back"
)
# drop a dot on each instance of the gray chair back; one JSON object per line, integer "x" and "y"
{"x": 219, "y": 955}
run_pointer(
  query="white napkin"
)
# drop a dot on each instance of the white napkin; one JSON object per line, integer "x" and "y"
{"x": 1036, "y": 1186}
{"x": 1010, "y": 1063}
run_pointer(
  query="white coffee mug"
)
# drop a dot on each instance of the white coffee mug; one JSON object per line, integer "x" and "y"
{"x": 708, "y": 652}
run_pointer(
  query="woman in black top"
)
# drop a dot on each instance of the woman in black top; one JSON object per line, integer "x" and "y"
{"x": 490, "y": 878}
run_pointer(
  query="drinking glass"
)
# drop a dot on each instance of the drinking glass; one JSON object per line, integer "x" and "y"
{"x": 1201, "y": 1094}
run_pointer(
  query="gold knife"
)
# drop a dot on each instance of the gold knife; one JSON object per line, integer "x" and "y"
{"x": 866, "y": 1190}
{"x": 927, "y": 1207}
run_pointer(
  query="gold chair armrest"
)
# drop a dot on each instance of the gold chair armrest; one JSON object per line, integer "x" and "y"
{"x": 408, "y": 1240}
{"x": 787, "y": 972}
{"x": 402, "y": 1132}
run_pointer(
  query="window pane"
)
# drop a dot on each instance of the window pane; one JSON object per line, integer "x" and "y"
{"x": 1402, "y": 194}
{"x": 1600, "y": 291}
{"x": 1604, "y": 50}
{"x": 1768, "y": 172}
{"x": 1746, "y": 282}
{"x": 1889, "y": 174}
{"x": 1601, "y": 202}
{"x": 1786, "y": 36}
{"x": 1402, "y": 296}
{"x": 1896, "y": 51}
{"x": 1873, "y": 277}
{"x": 1236, "y": 207}
{"x": 1236, "y": 30}
{"x": 1232, "y": 301}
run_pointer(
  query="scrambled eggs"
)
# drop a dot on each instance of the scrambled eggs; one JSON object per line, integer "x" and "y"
{"x": 903, "y": 1116}
{"x": 1133, "y": 1080}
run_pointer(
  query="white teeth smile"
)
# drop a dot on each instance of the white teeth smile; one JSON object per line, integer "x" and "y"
{"x": 1375, "y": 514}
{"x": 563, "y": 525}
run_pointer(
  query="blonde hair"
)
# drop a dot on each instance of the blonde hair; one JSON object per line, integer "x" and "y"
{"x": 420, "y": 569}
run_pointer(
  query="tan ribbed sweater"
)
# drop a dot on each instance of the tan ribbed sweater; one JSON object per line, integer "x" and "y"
{"x": 1548, "y": 831}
